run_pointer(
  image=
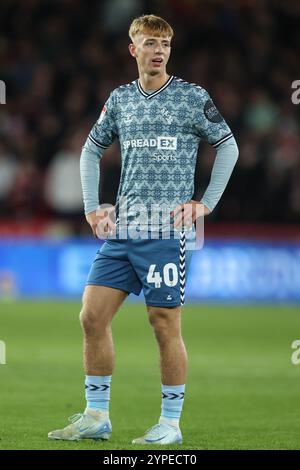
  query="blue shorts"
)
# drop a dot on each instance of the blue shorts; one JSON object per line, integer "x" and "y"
{"x": 159, "y": 267}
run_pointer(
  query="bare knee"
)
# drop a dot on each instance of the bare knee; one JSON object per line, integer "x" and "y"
{"x": 165, "y": 322}
{"x": 99, "y": 305}
{"x": 92, "y": 322}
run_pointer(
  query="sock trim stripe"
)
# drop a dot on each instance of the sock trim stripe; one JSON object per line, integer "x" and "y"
{"x": 173, "y": 396}
{"x": 93, "y": 388}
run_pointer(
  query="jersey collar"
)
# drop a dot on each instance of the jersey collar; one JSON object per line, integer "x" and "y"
{"x": 151, "y": 95}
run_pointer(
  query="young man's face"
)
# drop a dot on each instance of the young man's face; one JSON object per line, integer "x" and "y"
{"x": 151, "y": 52}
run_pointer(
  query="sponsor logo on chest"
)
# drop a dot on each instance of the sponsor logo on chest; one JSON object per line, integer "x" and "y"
{"x": 161, "y": 143}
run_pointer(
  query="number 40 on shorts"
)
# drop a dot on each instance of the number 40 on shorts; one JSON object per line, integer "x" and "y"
{"x": 169, "y": 275}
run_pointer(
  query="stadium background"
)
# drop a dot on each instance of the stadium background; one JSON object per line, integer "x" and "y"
{"x": 59, "y": 61}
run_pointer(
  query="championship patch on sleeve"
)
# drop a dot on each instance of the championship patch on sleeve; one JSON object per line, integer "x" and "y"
{"x": 102, "y": 114}
{"x": 211, "y": 113}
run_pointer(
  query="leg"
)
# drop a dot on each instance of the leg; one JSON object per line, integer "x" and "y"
{"x": 162, "y": 268}
{"x": 166, "y": 323}
{"x": 100, "y": 304}
{"x": 173, "y": 364}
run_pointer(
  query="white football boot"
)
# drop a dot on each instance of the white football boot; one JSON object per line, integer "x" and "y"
{"x": 160, "y": 434}
{"x": 91, "y": 424}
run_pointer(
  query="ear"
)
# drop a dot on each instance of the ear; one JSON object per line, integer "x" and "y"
{"x": 132, "y": 49}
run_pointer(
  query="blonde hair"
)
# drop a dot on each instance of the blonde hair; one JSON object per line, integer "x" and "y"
{"x": 150, "y": 24}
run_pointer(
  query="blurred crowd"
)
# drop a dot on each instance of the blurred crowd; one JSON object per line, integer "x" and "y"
{"x": 61, "y": 58}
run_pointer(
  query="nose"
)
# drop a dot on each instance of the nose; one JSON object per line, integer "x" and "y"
{"x": 158, "y": 48}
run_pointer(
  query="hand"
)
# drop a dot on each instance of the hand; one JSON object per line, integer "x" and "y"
{"x": 186, "y": 214}
{"x": 102, "y": 221}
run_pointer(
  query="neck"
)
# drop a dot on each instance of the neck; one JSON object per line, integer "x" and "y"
{"x": 153, "y": 83}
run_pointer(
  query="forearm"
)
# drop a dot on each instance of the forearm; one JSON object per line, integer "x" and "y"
{"x": 226, "y": 157}
{"x": 90, "y": 176}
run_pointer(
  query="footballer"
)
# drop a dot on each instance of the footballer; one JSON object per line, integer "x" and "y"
{"x": 159, "y": 120}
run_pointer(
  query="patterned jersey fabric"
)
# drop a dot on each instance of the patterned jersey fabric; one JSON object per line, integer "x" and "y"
{"x": 159, "y": 135}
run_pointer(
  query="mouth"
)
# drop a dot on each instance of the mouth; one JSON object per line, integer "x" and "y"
{"x": 157, "y": 61}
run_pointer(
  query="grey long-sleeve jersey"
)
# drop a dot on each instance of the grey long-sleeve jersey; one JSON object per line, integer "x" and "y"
{"x": 159, "y": 136}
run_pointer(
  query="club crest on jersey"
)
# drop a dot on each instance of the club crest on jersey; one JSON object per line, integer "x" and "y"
{"x": 128, "y": 118}
{"x": 167, "y": 115}
{"x": 104, "y": 109}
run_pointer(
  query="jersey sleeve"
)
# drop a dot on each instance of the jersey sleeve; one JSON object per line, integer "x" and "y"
{"x": 104, "y": 131}
{"x": 209, "y": 124}
{"x": 101, "y": 136}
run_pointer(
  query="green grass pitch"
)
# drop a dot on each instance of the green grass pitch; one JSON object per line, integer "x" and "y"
{"x": 242, "y": 391}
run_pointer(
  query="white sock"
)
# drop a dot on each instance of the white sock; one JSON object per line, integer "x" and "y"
{"x": 96, "y": 413}
{"x": 169, "y": 422}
